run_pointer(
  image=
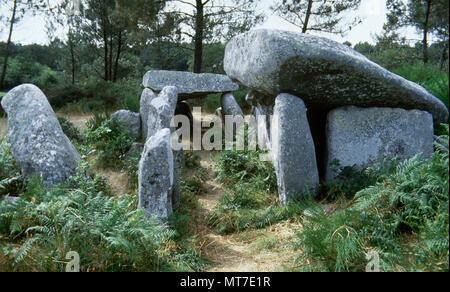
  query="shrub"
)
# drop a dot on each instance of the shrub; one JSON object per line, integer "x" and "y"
{"x": 92, "y": 94}
{"x": 430, "y": 77}
{"x": 250, "y": 199}
{"x": 409, "y": 202}
{"x": 70, "y": 130}
{"x": 109, "y": 234}
{"x": 11, "y": 182}
{"x": 109, "y": 140}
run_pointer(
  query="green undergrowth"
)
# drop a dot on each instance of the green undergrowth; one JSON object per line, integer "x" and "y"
{"x": 109, "y": 233}
{"x": 403, "y": 217}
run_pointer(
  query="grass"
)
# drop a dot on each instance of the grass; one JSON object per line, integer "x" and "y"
{"x": 399, "y": 210}
{"x": 404, "y": 218}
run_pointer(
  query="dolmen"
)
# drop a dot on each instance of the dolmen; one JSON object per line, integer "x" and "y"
{"x": 164, "y": 97}
{"x": 322, "y": 104}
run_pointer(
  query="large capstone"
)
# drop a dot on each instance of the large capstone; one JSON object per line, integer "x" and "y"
{"x": 130, "y": 121}
{"x": 156, "y": 175}
{"x": 326, "y": 74}
{"x": 362, "y": 137}
{"x": 190, "y": 85}
{"x": 146, "y": 110}
{"x": 292, "y": 150}
{"x": 38, "y": 142}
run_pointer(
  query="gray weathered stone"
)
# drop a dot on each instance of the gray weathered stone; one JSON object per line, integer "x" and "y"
{"x": 326, "y": 74}
{"x": 362, "y": 137}
{"x": 292, "y": 149}
{"x": 164, "y": 105}
{"x": 146, "y": 110}
{"x": 190, "y": 85}
{"x": 230, "y": 106}
{"x": 130, "y": 121}
{"x": 38, "y": 142}
{"x": 178, "y": 163}
{"x": 156, "y": 175}
{"x": 263, "y": 111}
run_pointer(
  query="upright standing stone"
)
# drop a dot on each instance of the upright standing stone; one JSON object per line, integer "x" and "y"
{"x": 362, "y": 137}
{"x": 231, "y": 113}
{"x": 230, "y": 106}
{"x": 146, "y": 110}
{"x": 130, "y": 121}
{"x": 178, "y": 163}
{"x": 38, "y": 142}
{"x": 164, "y": 105}
{"x": 156, "y": 175}
{"x": 292, "y": 149}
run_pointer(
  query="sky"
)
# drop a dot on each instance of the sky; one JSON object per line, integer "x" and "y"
{"x": 372, "y": 12}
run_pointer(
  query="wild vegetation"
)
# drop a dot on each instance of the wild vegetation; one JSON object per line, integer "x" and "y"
{"x": 110, "y": 233}
{"x": 399, "y": 210}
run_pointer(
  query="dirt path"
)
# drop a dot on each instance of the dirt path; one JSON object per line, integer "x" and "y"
{"x": 265, "y": 250}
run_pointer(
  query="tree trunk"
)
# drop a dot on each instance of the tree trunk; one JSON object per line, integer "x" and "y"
{"x": 444, "y": 55}
{"x": 105, "y": 57}
{"x": 425, "y": 32}
{"x": 5, "y": 61}
{"x": 111, "y": 48}
{"x": 72, "y": 55}
{"x": 307, "y": 16}
{"x": 119, "y": 49}
{"x": 199, "y": 27}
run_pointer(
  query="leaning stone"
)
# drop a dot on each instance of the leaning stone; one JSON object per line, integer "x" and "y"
{"x": 156, "y": 175}
{"x": 230, "y": 106}
{"x": 190, "y": 85}
{"x": 326, "y": 74}
{"x": 362, "y": 137}
{"x": 130, "y": 121}
{"x": 292, "y": 150}
{"x": 165, "y": 105}
{"x": 146, "y": 110}
{"x": 38, "y": 142}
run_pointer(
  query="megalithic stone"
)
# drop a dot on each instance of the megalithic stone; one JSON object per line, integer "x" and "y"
{"x": 130, "y": 121}
{"x": 292, "y": 150}
{"x": 146, "y": 110}
{"x": 362, "y": 137}
{"x": 156, "y": 175}
{"x": 38, "y": 143}
{"x": 165, "y": 105}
